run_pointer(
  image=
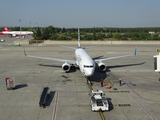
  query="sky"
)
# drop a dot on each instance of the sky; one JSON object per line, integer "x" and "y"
{"x": 80, "y": 13}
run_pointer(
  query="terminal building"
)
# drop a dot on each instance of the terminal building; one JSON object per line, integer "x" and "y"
{"x": 157, "y": 61}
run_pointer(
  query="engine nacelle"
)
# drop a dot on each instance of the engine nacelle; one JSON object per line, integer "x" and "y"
{"x": 102, "y": 66}
{"x": 66, "y": 67}
{"x": 13, "y": 35}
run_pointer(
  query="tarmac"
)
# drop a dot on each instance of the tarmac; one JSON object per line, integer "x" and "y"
{"x": 138, "y": 97}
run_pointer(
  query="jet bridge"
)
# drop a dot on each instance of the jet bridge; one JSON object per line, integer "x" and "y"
{"x": 157, "y": 61}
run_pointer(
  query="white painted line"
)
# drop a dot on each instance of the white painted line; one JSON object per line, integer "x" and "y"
{"x": 10, "y": 44}
{"x": 4, "y": 49}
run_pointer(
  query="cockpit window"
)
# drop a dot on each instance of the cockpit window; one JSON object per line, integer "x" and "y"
{"x": 88, "y": 66}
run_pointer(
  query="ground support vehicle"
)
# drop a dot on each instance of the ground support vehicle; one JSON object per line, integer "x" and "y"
{"x": 99, "y": 101}
{"x": 10, "y": 83}
{"x": 2, "y": 40}
{"x": 44, "y": 96}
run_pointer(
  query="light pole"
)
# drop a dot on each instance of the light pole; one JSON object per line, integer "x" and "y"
{"x": 20, "y": 26}
{"x": 30, "y": 25}
{"x": 30, "y": 28}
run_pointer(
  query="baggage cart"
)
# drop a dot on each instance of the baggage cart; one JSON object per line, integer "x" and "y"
{"x": 10, "y": 83}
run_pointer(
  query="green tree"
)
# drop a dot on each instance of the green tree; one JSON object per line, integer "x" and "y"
{"x": 94, "y": 34}
{"x": 38, "y": 34}
{"x": 109, "y": 35}
{"x": 63, "y": 30}
{"x": 45, "y": 34}
{"x": 117, "y": 36}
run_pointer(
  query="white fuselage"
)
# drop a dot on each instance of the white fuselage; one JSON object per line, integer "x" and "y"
{"x": 17, "y": 33}
{"x": 85, "y": 62}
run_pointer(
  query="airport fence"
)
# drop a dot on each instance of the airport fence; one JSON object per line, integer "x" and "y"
{"x": 51, "y": 42}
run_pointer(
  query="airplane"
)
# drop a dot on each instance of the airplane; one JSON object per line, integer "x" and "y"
{"x": 15, "y": 33}
{"x": 85, "y": 63}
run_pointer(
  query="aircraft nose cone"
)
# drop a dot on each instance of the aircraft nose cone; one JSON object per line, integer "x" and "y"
{"x": 89, "y": 72}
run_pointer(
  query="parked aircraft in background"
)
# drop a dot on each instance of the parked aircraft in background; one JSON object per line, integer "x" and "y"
{"x": 15, "y": 33}
{"x": 85, "y": 63}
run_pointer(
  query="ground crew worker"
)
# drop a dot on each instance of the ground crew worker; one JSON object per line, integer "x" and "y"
{"x": 120, "y": 81}
{"x": 6, "y": 80}
{"x": 102, "y": 81}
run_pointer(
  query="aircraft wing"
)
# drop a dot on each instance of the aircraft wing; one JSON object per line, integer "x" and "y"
{"x": 111, "y": 58}
{"x": 54, "y": 59}
{"x": 76, "y": 47}
{"x": 69, "y": 47}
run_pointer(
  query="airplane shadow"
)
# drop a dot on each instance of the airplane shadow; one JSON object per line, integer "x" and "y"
{"x": 58, "y": 66}
{"x": 126, "y": 65}
{"x": 97, "y": 76}
{"x": 20, "y": 86}
{"x": 50, "y": 98}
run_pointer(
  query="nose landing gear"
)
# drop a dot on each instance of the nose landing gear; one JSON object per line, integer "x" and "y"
{"x": 87, "y": 79}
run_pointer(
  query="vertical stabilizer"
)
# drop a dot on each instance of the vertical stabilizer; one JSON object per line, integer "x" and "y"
{"x": 6, "y": 29}
{"x": 79, "y": 45}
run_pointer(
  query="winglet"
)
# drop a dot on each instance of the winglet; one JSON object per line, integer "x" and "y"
{"x": 79, "y": 45}
{"x": 24, "y": 51}
{"x": 135, "y": 51}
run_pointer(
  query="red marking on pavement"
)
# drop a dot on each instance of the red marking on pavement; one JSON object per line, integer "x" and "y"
{"x": 139, "y": 94}
{"x": 55, "y": 108}
{"x": 144, "y": 109}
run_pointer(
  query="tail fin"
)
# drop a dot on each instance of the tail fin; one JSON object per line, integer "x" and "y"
{"x": 6, "y": 29}
{"x": 79, "y": 45}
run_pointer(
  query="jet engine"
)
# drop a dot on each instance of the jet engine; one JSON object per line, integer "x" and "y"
{"x": 13, "y": 35}
{"x": 66, "y": 67}
{"x": 102, "y": 66}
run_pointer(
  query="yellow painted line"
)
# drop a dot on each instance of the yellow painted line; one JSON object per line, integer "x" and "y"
{"x": 114, "y": 91}
{"x": 83, "y": 105}
{"x": 81, "y": 91}
{"x": 80, "y": 84}
{"x": 115, "y": 104}
{"x": 124, "y": 105}
{"x": 124, "y": 91}
{"x": 101, "y": 114}
{"x": 90, "y": 87}
{"x": 119, "y": 91}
